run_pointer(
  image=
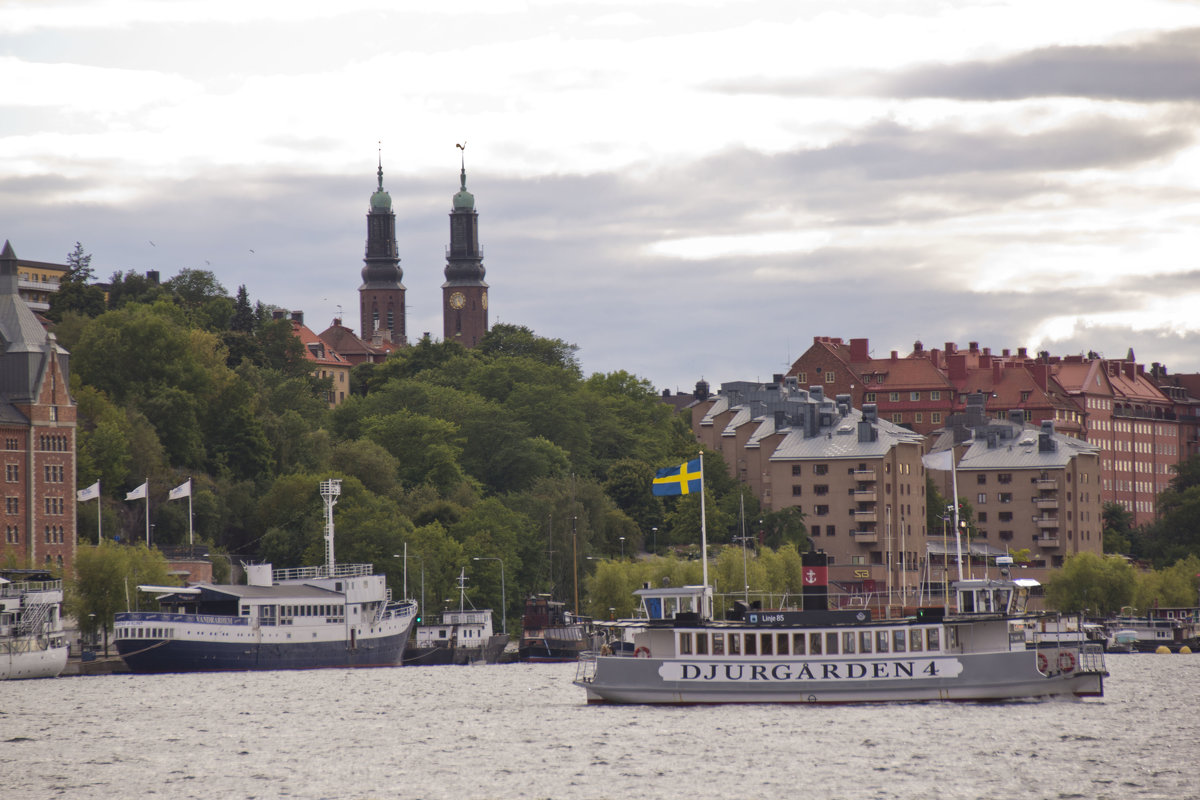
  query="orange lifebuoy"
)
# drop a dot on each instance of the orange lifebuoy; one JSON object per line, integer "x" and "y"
{"x": 641, "y": 652}
{"x": 1066, "y": 661}
{"x": 1043, "y": 662}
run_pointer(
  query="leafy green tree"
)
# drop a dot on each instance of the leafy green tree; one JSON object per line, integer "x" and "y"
{"x": 517, "y": 340}
{"x": 1175, "y": 586}
{"x": 105, "y": 576}
{"x": 243, "y": 313}
{"x": 133, "y": 287}
{"x": 628, "y": 483}
{"x": 1118, "y": 528}
{"x": 1098, "y": 584}
{"x": 784, "y": 527}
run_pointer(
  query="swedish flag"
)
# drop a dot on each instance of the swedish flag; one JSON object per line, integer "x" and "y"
{"x": 683, "y": 479}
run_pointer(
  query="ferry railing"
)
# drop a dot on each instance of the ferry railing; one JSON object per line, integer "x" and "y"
{"x": 311, "y": 573}
{"x": 1091, "y": 658}
{"x": 585, "y": 668}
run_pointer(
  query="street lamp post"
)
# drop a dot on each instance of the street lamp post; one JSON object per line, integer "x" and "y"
{"x": 654, "y": 539}
{"x": 503, "y": 597}
{"x": 622, "y": 548}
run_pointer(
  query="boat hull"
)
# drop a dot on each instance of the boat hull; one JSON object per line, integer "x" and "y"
{"x": 181, "y": 655}
{"x": 965, "y": 677}
{"x": 27, "y": 658}
{"x": 443, "y": 656}
{"x": 548, "y": 649}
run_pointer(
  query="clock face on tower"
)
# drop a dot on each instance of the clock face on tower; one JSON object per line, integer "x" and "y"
{"x": 458, "y": 300}
{"x": 484, "y": 301}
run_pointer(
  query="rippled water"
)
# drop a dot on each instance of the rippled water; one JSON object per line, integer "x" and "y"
{"x": 525, "y": 731}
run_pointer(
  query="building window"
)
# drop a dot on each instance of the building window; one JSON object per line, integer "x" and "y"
{"x": 981, "y": 479}
{"x": 935, "y": 417}
{"x": 821, "y": 489}
{"x": 869, "y": 397}
{"x": 797, "y": 491}
{"x": 816, "y": 530}
{"x": 12, "y": 534}
{"x": 830, "y": 377}
{"x": 797, "y": 469}
{"x": 1006, "y": 536}
{"x": 822, "y": 511}
{"x": 981, "y": 498}
{"x": 1005, "y": 516}
{"x": 11, "y": 444}
{"x": 918, "y": 417}
{"x": 897, "y": 418}
{"x": 1004, "y": 477}
{"x": 12, "y": 473}
{"x": 12, "y": 505}
{"x": 914, "y": 396}
{"x": 830, "y": 530}
{"x": 802, "y": 378}
{"x": 820, "y": 469}
{"x": 894, "y": 397}
{"x": 935, "y": 395}
{"x": 1005, "y": 497}
{"x": 982, "y": 516}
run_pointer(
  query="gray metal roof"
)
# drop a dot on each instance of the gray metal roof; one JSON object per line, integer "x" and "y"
{"x": 1022, "y": 452}
{"x": 841, "y": 440}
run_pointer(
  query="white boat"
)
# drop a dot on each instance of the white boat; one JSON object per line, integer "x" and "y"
{"x": 978, "y": 653}
{"x": 463, "y": 637}
{"x": 335, "y": 615}
{"x": 32, "y": 641}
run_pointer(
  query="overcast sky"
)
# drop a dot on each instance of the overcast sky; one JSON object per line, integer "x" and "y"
{"x": 682, "y": 189}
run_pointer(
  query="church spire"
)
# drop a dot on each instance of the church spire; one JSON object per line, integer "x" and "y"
{"x": 464, "y": 294}
{"x": 381, "y": 296}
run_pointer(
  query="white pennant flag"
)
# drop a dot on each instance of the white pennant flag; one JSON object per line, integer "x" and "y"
{"x": 90, "y": 493}
{"x": 139, "y": 493}
{"x": 942, "y": 460}
{"x": 182, "y": 490}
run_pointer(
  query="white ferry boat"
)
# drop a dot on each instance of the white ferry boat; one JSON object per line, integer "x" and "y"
{"x": 32, "y": 642}
{"x": 336, "y": 615}
{"x": 978, "y": 653}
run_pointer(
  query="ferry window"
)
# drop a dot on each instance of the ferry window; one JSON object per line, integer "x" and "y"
{"x": 952, "y": 638}
{"x": 914, "y": 640}
{"x": 718, "y": 644}
{"x": 881, "y": 641}
{"x": 781, "y": 644}
{"x": 735, "y": 644}
{"x": 864, "y": 641}
{"x": 967, "y": 605}
{"x": 766, "y": 648}
{"x": 798, "y": 644}
{"x": 751, "y": 643}
{"x": 814, "y": 643}
{"x": 1002, "y": 596}
{"x": 685, "y": 644}
{"x": 831, "y": 643}
{"x": 847, "y": 642}
{"x": 245, "y": 611}
{"x": 702, "y": 644}
{"x": 898, "y": 641}
{"x": 931, "y": 639}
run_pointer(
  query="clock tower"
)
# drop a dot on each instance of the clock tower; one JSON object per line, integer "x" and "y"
{"x": 381, "y": 296}
{"x": 465, "y": 293}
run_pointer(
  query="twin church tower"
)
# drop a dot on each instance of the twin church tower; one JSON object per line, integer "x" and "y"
{"x": 464, "y": 294}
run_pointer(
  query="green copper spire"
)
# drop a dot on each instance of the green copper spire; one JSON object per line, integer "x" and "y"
{"x": 381, "y": 200}
{"x": 463, "y": 200}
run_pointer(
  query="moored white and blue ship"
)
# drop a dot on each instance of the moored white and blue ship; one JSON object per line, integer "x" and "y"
{"x": 977, "y": 653}
{"x": 32, "y": 641}
{"x": 335, "y": 615}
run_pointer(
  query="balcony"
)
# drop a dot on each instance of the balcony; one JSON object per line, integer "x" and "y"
{"x": 863, "y": 495}
{"x": 1045, "y": 502}
{"x": 864, "y": 475}
{"x": 864, "y": 515}
{"x": 864, "y": 537}
{"x": 1046, "y": 484}
{"x": 1046, "y": 523}
{"x": 1047, "y": 540}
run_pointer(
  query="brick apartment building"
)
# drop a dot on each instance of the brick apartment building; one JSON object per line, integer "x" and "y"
{"x": 1112, "y": 403}
{"x": 37, "y": 432}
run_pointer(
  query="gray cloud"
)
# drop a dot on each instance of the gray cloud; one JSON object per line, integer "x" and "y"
{"x": 1163, "y": 68}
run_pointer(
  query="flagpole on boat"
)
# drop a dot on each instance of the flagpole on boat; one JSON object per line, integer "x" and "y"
{"x": 703, "y": 528}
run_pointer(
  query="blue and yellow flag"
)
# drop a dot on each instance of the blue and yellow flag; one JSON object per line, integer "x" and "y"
{"x": 683, "y": 479}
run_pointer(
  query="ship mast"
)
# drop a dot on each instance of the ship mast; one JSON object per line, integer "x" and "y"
{"x": 330, "y": 491}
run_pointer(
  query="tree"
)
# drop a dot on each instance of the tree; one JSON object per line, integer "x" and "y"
{"x": 1100, "y": 585}
{"x": 243, "y": 313}
{"x": 74, "y": 290}
{"x": 105, "y": 576}
{"x": 1118, "y": 528}
{"x": 517, "y": 340}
